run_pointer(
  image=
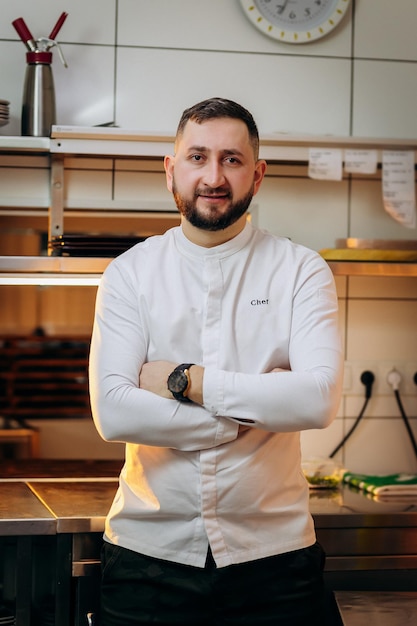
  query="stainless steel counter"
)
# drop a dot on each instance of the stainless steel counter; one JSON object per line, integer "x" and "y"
{"x": 21, "y": 512}
{"x": 359, "y": 533}
{"x": 370, "y": 544}
{"x": 363, "y": 533}
{"x": 78, "y": 505}
{"x": 346, "y": 505}
{"x": 81, "y": 504}
{"x": 373, "y": 607}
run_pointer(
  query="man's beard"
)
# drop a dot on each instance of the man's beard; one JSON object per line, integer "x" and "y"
{"x": 212, "y": 221}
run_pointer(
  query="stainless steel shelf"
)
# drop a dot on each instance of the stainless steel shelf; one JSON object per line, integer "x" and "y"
{"x": 70, "y": 140}
{"x": 274, "y": 148}
{"x": 22, "y": 268}
{"x": 51, "y": 270}
{"x": 372, "y": 268}
{"x": 128, "y": 142}
{"x": 25, "y": 144}
{"x": 53, "y": 264}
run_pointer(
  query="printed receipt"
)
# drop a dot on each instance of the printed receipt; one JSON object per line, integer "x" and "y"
{"x": 361, "y": 161}
{"x": 325, "y": 164}
{"x": 398, "y": 187}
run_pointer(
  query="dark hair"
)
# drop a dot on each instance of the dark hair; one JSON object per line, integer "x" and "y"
{"x": 217, "y": 108}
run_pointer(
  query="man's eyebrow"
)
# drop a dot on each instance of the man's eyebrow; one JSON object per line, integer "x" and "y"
{"x": 197, "y": 149}
{"x": 233, "y": 151}
{"x": 225, "y": 151}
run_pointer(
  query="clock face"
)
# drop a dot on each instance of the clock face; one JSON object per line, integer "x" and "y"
{"x": 295, "y": 21}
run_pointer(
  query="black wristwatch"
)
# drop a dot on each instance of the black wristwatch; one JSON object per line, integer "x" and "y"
{"x": 179, "y": 382}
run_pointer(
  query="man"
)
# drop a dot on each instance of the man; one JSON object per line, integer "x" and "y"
{"x": 213, "y": 346}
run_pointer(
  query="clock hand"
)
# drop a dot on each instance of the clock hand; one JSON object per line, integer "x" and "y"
{"x": 281, "y": 7}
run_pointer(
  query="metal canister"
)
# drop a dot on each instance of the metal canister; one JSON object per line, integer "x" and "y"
{"x": 38, "y": 105}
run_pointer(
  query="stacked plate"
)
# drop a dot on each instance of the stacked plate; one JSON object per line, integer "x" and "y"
{"x": 92, "y": 245}
{"x": 4, "y": 112}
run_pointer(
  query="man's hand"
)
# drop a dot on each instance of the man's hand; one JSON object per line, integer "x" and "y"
{"x": 154, "y": 375}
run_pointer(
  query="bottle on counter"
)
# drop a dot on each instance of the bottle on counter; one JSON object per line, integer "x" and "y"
{"x": 38, "y": 105}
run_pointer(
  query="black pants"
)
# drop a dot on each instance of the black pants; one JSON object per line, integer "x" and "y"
{"x": 280, "y": 590}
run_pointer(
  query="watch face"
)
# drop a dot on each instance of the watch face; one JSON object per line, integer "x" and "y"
{"x": 295, "y": 21}
{"x": 177, "y": 381}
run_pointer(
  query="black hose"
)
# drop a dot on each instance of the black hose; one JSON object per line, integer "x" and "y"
{"x": 367, "y": 378}
{"x": 406, "y": 421}
{"x": 351, "y": 431}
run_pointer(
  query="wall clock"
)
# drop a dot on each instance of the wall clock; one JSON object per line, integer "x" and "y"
{"x": 295, "y": 21}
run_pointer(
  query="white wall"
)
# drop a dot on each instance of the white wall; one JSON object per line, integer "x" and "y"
{"x": 140, "y": 63}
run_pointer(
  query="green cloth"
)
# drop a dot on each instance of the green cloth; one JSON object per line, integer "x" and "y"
{"x": 390, "y": 484}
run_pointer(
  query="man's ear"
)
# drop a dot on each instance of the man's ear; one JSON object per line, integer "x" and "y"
{"x": 260, "y": 169}
{"x": 169, "y": 170}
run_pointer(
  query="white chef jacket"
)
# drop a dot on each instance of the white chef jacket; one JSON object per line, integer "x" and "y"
{"x": 240, "y": 309}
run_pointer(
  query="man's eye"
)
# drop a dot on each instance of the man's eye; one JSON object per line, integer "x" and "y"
{"x": 232, "y": 160}
{"x": 196, "y": 157}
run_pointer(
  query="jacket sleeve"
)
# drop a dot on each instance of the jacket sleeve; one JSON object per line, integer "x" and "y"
{"x": 121, "y": 410}
{"x": 308, "y": 395}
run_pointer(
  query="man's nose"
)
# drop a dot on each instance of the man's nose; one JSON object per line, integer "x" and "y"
{"x": 213, "y": 174}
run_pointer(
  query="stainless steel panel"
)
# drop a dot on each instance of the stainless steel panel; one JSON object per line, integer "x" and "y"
{"x": 349, "y": 507}
{"x": 21, "y": 513}
{"x": 80, "y": 506}
{"x": 369, "y": 541}
{"x": 374, "y": 268}
{"x": 363, "y": 562}
{"x": 377, "y": 244}
{"x": 86, "y": 568}
{"x": 365, "y": 608}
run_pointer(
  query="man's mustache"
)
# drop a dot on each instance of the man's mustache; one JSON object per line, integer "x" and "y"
{"x": 219, "y": 191}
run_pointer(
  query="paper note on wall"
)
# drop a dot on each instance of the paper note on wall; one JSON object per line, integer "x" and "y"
{"x": 398, "y": 186}
{"x": 361, "y": 161}
{"x": 325, "y": 164}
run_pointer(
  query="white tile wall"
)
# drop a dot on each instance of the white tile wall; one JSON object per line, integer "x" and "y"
{"x": 368, "y": 218}
{"x": 88, "y": 21}
{"x": 379, "y": 446}
{"x": 35, "y": 188}
{"x": 140, "y": 63}
{"x": 384, "y": 99}
{"x": 151, "y": 98}
{"x": 143, "y": 186}
{"x": 12, "y": 72}
{"x": 89, "y": 79}
{"x": 214, "y": 25}
{"x": 386, "y": 30}
{"x": 88, "y": 185}
{"x": 307, "y": 211}
{"x": 382, "y": 329}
